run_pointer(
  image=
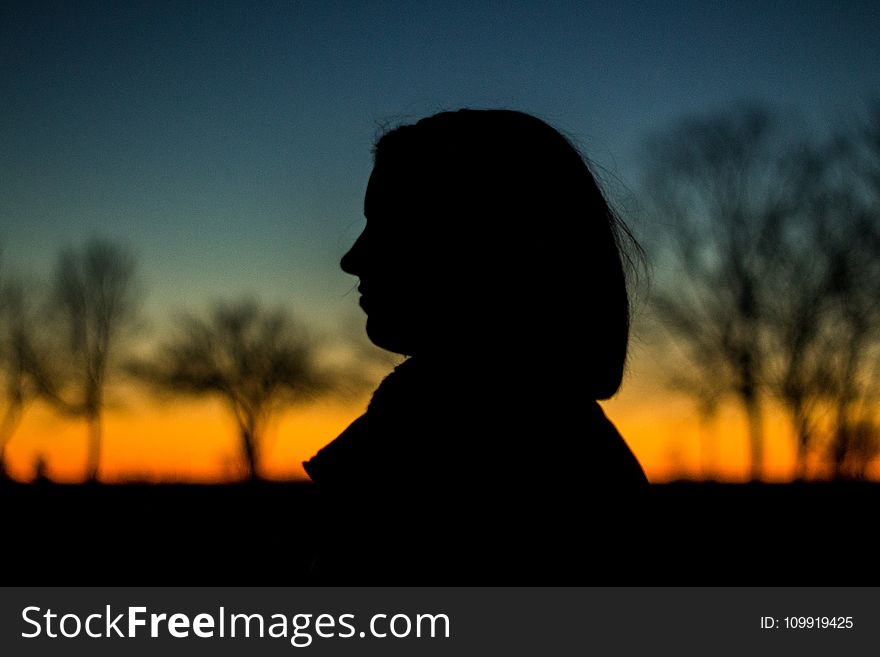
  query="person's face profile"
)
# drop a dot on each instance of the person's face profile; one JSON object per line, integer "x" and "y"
{"x": 390, "y": 260}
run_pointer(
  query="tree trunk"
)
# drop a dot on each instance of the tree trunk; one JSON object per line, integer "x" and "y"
{"x": 7, "y": 428}
{"x": 756, "y": 436}
{"x": 802, "y": 435}
{"x": 250, "y": 453}
{"x": 803, "y": 449}
{"x": 708, "y": 448}
{"x": 94, "y": 453}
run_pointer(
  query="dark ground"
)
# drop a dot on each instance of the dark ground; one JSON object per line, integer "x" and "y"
{"x": 269, "y": 534}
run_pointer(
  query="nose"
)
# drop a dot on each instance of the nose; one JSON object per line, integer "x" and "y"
{"x": 351, "y": 262}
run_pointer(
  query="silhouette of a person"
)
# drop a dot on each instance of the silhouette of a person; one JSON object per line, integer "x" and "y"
{"x": 491, "y": 259}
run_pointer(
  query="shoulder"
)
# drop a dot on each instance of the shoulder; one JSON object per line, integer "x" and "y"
{"x": 623, "y": 465}
{"x": 592, "y": 453}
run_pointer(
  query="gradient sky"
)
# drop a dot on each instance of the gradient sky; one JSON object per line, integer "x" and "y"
{"x": 229, "y": 144}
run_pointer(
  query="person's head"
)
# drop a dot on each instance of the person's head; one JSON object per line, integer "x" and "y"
{"x": 487, "y": 236}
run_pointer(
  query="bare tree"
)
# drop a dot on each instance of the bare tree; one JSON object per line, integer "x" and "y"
{"x": 18, "y": 360}
{"x": 717, "y": 184}
{"x": 825, "y": 313}
{"x": 801, "y": 253}
{"x": 769, "y": 279}
{"x": 851, "y": 366}
{"x": 258, "y": 361}
{"x": 95, "y": 303}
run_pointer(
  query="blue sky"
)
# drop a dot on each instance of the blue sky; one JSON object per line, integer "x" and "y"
{"x": 229, "y": 143}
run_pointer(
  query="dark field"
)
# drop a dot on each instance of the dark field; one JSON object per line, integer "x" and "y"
{"x": 270, "y": 534}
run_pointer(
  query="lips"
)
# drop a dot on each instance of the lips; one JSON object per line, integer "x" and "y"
{"x": 364, "y": 301}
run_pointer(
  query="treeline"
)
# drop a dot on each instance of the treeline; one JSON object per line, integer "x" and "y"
{"x": 765, "y": 247}
{"x": 68, "y": 343}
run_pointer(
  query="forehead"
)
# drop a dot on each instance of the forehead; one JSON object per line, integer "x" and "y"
{"x": 393, "y": 186}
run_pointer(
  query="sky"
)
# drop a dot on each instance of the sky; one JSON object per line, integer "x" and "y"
{"x": 228, "y": 144}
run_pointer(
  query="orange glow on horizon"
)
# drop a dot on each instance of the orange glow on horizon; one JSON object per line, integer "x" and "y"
{"x": 197, "y": 441}
{"x": 182, "y": 441}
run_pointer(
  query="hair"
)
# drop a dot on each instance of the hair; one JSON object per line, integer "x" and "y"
{"x": 516, "y": 194}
